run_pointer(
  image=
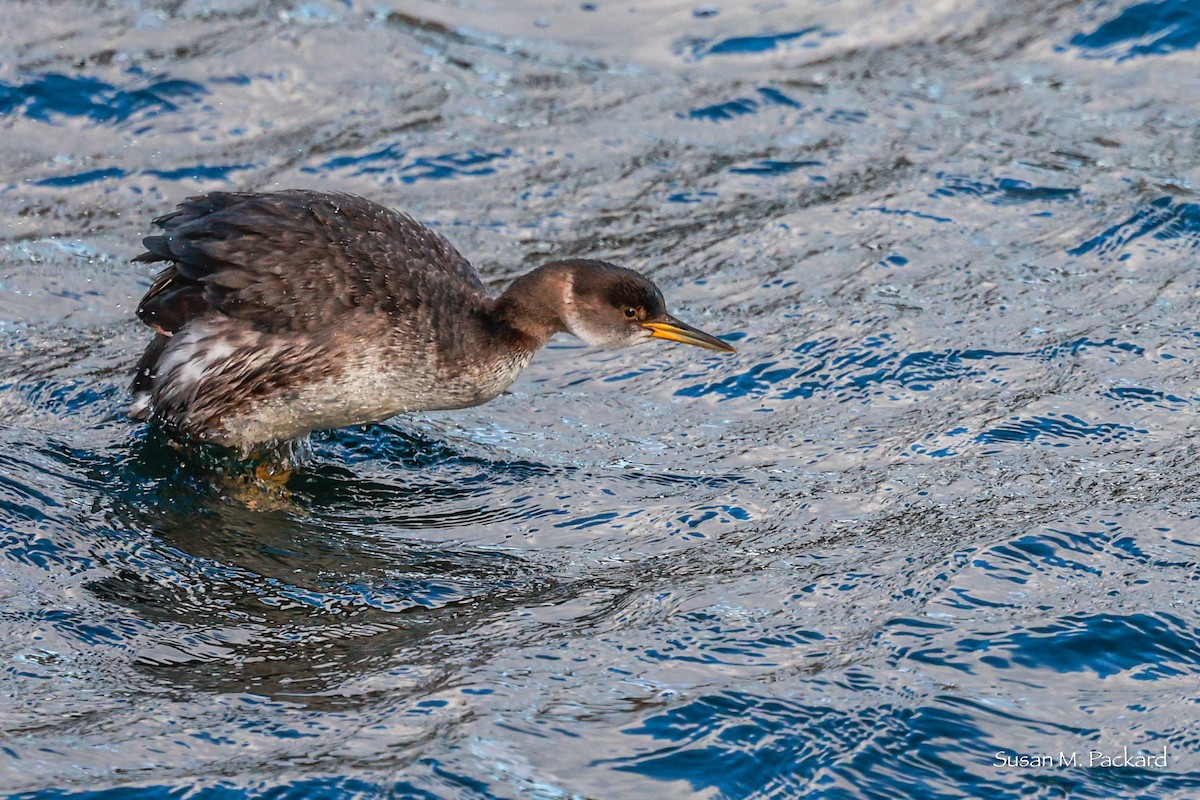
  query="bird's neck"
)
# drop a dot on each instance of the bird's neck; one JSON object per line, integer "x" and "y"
{"x": 532, "y": 305}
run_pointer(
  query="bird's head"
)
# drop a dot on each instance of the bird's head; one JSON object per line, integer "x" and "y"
{"x": 610, "y": 306}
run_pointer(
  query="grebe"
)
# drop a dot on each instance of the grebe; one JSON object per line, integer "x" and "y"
{"x": 284, "y": 313}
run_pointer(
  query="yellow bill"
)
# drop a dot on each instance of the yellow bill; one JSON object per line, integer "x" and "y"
{"x": 679, "y": 331}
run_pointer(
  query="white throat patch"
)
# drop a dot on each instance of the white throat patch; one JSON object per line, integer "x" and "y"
{"x": 576, "y": 323}
{"x": 570, "y": 313}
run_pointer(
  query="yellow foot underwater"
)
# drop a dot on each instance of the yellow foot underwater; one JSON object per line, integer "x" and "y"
{"x": 273, "y": 475}
{"x": 265, "y": 490}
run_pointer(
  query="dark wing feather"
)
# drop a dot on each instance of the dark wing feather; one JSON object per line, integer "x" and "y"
{"x": 296, "y": 261}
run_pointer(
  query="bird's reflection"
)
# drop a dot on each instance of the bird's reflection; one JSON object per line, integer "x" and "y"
{"x": 295, "y": 601}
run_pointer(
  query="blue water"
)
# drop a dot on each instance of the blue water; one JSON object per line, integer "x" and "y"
{"x": 939, "y": 508}
{"x": 50, "y": 97}
{"x": 1143, "y": 29}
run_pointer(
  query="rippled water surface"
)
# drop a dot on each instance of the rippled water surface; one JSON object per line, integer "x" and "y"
{"x": 942, "y": 504}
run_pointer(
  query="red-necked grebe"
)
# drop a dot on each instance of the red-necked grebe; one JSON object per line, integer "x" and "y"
{"x": 283, "y": 313}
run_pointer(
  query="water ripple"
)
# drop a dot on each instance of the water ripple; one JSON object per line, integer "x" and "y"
{"x": 51, "y": 97}
{"x": 848, "y": 369}
{"x": 729, "y": 109}
{"x": 1000, "y": 192}
{"x": 1139, "y": 646}
{"x": 1144, "y": 29}
{"x": 399, "y": 166}
{"x": 1164, "y": 219}
{"x": 1051, "y": 430}
{"x": 750, "y": 45}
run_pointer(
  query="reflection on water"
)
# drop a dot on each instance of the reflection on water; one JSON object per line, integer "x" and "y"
{"x": 939, "y": 505}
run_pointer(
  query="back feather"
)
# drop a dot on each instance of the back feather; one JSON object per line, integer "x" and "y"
{"x": 296, "y": 261}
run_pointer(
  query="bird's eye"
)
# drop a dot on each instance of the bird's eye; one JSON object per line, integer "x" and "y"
{"x": 630, "y": 313}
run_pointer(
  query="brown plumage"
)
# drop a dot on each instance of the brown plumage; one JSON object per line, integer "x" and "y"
{"x": 283, "y": 313}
